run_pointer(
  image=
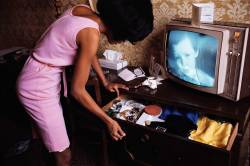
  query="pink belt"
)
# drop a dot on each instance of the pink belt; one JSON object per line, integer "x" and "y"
{"x": 65, "y": 89}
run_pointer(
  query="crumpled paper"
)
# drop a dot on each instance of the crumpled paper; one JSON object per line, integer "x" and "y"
{"x": 150, "y": 82}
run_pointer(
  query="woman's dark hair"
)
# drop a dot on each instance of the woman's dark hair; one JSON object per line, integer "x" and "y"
{"x": 130, "y": 20}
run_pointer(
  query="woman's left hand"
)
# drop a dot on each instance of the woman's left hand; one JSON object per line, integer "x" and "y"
{"x": 114, "y": 87}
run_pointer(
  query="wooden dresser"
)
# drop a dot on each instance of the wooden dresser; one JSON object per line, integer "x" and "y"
{"x": 152, "y": 147}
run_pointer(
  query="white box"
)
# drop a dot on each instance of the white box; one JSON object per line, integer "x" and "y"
{"x": 202, "y": 13}
{"x": 115, "y": 65}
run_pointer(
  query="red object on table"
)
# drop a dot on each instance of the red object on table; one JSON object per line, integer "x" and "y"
{"x": 153, "y": 110}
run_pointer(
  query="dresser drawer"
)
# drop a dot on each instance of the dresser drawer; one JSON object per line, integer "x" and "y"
{"x": 170, "y": 150}
{"x": 159, "y": 148}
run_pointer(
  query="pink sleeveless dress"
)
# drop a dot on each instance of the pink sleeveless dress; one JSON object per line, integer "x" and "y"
{"x": 39, "y": 83}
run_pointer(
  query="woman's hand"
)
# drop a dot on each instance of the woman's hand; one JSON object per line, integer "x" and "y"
{"x": 114, "y": 87}
{"x": 115, "y": 130}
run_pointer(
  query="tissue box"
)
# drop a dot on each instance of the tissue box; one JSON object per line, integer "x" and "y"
{"x": 115, "y": 65}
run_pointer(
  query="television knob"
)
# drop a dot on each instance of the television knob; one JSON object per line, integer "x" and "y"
{"x": 238, "y": 54}
{"x": 230, "y": 53}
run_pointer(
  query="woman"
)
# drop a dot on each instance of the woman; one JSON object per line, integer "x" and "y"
{"x": 74, "y": 39}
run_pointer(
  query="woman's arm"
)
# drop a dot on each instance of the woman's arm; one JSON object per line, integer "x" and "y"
{"x": 97, "y": 67}
{"x": 113, "y": 87}
{"x": 88, "y": 40}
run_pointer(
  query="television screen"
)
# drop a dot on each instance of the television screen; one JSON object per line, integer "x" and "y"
{"x": 191, "y": 56}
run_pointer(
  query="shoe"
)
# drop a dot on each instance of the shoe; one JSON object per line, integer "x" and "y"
{"x": 18, "y": 148}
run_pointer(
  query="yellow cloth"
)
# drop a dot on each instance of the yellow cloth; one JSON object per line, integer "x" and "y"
{"x": 211, "y": 132}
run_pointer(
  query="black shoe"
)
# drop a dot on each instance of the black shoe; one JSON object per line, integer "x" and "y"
{"x": 17, "y": 149}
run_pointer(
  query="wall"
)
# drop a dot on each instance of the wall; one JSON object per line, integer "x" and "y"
{"x": 23, "y": 21}
{"x": 164, "y": 10}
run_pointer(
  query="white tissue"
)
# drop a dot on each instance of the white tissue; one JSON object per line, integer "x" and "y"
{"x": 150, "y": 82}
{"x": 112, "y": 55}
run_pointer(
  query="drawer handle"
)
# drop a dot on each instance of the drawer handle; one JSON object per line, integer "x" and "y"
{"x": 145, "y": 138}
{"x": 130, "y": 155}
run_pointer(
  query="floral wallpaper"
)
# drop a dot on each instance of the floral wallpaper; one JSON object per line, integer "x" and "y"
{"x": 164, "y": 11}
{"x": 31, "y": 23}
{"x": 22, "y": 22}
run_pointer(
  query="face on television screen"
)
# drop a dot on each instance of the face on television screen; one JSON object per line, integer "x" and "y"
{"x": 191, "y": 57}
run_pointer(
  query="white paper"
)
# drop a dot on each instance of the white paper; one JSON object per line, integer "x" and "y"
{"x": 127, "y": 75}
{"x": 146, "y": 117}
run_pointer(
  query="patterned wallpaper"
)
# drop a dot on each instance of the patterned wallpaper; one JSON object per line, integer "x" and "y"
{"x": 164, "y": 10}
{"x": 23, "y": 21}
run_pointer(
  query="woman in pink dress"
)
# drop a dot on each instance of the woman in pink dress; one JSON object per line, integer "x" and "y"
{"x": 74, "y": 39}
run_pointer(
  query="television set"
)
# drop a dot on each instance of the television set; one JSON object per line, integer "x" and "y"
{"x": 213, "y": 58}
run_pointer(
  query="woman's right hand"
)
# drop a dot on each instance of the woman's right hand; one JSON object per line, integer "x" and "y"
{"x": 115, "y": 130}
{"x": 114, "y": 87}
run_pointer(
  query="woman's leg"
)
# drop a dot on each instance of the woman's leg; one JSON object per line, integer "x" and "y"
{"x": 49, "y": 121}
{"x": 63, "y": 158}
